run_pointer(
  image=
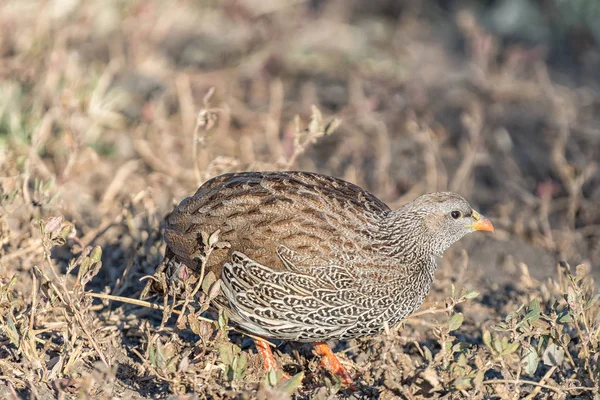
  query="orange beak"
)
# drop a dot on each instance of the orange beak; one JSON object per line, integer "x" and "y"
{"x": 481, "y": 223}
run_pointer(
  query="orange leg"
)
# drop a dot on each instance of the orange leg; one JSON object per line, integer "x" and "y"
{"x": 330, "y": 362}
{"x": 264, "y": 349}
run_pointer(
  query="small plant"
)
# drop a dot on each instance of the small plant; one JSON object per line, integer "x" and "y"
{"x": 111, "y": 111}
{"x": 233, "y": 360}
{"x": 273, "y": 386}
{"x": 451, "y": 363}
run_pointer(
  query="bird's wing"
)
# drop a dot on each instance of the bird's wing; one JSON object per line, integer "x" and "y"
{"x": 319, "y": 217}
{"x": 294, "y": 306}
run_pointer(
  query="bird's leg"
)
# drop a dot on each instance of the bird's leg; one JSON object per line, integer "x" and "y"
{"x": 331, "y": 363}
{"x": 264, "y": 349}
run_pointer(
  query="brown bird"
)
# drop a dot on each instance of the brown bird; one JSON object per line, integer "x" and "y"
{"x": 312, "y": 257}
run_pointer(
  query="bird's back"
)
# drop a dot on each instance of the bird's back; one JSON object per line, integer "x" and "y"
{"x": 308, "y": 216}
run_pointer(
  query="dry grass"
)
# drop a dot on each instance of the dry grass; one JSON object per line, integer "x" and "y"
{"x": 112, "y": 112}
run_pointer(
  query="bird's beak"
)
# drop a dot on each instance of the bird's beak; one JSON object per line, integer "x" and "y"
{"x": 481, "y": 223}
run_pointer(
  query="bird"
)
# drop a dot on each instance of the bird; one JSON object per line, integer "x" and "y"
{"x": 311, "y": 258}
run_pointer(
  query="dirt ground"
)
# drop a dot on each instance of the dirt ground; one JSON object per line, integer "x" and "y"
{"x": 112, "y": 112}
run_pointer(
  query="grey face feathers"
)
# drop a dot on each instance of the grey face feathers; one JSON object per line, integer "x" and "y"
{"x": 438, "y": 220}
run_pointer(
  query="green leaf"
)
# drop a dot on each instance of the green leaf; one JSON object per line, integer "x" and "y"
{"x": 160, "y": 354}
{"x": 462, "y": 383}
{"x": 242, "y": 361}
{"x": 290, "y": 385}
{"x": 12, "y": 331}
{"x": 272, "y": 378}
{"x": 460, "y": 347}
{"x": 571, "y": 296}
{"x": 471, "y": 295}
{"x": 332, "y": 126}
{"x": 530, "y": 360}
{"x": 564, "y": 317}
{"x": 510, "y": 316}
{"x": 510, "y": 348}
{"x": 447, "y": 346}
{"x": 533, "y": 315}
{"x": 487, "y": 339}
{"x": 553, "y": 355}
{"x": 214, "y": 290}
{"x": 498, "y": 346}
{"x": 13, "y": 282}
{"x": 222, "y": 322}
{"x": 455, "y": 322}
{"x": 534, "y": 304}
{"x": 65, "y": 231}
{"x": 208, "y": 280}
{"x": 153, "y": 356}
{"x": 83, "y": 268}
{"x": 500, "y": 326}
{"x": 226, "y": 353}
{"x": 590, "y": 303}
{"x": 96, "y": 254}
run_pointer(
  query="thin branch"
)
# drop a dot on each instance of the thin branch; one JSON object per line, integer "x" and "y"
{"x": 131, "y": 301}
{"x": 162, "y": 308}
{"x": 533, "y": 383}
{"x": 539, "y": 388}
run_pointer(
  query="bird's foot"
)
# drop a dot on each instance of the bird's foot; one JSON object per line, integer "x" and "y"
{"x": 331, "y": 363}
{"x": 264, "y": 349}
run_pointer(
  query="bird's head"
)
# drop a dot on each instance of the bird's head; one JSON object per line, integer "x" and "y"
{"x": 443, "y": 218}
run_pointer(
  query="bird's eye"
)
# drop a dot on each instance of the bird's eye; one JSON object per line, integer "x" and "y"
{"x": 456, "y": 214}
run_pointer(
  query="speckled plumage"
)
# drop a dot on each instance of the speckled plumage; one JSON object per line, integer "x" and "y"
{"x": 313, "y": 257}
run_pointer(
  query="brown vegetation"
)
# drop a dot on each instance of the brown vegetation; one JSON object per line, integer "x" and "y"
{"x": 112, "y": 112}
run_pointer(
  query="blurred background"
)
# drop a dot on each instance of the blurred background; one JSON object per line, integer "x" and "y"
{"x": 111, "y": 112}
{"x": 494, "y": 99}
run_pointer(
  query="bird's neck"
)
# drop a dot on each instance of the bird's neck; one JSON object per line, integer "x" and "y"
{"x": 403, "y": 237}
